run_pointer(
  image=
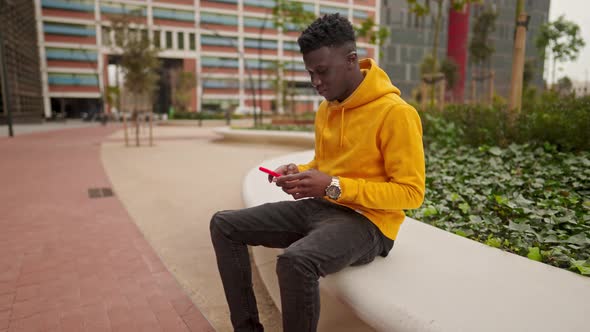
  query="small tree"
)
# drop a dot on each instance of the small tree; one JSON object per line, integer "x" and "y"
{"x": 481, "y": 47}
{"x": 528, "y": 73}
{"x": 184, "y": 85}
{"x": 422, "y": 9}
{"x": 374, "y": 33}
{"x": 564, "y": 85}
{"x": 139, "y": 62}
{"x": 293, "y": 16}
{"x": 561, "y": 39}
{"x": 450, "y": 69}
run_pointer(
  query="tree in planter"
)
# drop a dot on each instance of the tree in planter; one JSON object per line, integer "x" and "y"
{"x": 183, "y": 87}
{"x": 481, "y": 47}
{"x": 448, "y": 72}
{"x": 139, "y": 62}
{"x": 374, "y": 33}
{"x": 564, "y": 86}
{"x": 422, "y": 9}
{"x": 293, "y": 16}
{"x": 562, "y": 40}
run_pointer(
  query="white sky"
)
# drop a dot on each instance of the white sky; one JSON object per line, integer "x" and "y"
{"x": 577, "y": 11}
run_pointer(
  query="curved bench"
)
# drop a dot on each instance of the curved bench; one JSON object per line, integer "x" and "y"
{"x": 267, "y": 136}
{"x": 435, "y": 281}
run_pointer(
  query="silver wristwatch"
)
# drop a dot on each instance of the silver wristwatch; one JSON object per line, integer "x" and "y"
{"x": 333, "y": 190}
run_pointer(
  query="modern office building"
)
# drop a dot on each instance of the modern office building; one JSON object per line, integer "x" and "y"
{"x": 226, "y": 44}
{"x": 411, "y": 40}
{"x": 20, "y": 78}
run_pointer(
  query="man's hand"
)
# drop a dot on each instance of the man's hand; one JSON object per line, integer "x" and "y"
{"x": 311, "y": 183}
{"x": 285, "y": 170}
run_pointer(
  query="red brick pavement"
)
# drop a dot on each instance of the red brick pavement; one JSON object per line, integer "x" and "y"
{"x": 71, "y": 263}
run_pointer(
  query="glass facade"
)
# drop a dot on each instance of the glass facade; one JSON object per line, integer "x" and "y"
{"x": 217, "y": 40}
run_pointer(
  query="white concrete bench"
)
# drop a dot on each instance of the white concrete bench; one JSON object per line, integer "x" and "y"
{"x": 436, "y": 281}
{"x": 267, "y": 136}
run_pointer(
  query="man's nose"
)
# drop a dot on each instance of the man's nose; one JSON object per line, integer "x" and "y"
{"x": 315, "y": 81}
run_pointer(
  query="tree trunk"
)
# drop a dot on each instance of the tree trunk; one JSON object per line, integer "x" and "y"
{"x": 435, "y": 46}
{"x": 136, "y": 128}
{"x": 553, "y": 79}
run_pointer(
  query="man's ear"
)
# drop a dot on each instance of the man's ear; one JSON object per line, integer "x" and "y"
{"x": 352, "y": 57}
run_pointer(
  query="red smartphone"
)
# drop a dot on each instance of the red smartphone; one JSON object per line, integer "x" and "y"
{"x": 269, "y": 172}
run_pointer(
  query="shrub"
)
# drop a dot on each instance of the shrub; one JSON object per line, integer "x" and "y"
{"x": 560, "y": 121}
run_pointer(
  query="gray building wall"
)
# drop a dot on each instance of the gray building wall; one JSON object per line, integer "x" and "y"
{"x": 411, "y": 39}
{"x": 503, "y": 38}
{"x": 20, "y": 67}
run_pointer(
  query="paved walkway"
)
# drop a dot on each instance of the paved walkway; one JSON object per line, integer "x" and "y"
{"x": 171, "y": 191}
{"x": 72, "y": 263}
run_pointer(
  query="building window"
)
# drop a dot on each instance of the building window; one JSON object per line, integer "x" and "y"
{"x": 360, "y": 14}
{"x": 191, "y": 41}
{"x": 261, "y": 3}
{"x": 290, "y": 46}
{"x": 295, "y": 66}
{"x": 173, "y": 14}
{"x": 73, "y": 5}
{"x": 106, "y": 36}
{"x": 169, "y": 39}
{"x": 53, "y": 53}
{"x": 157, "y": 37}
{"x": 264, "y": 44}
{"x": 262, "y": 64}
{"x": 255, "y": 22}
{"x": 180, "y": 36}
{"x": 72, "y": 79}
{"x": 224, "y": 1}
{"x": 219, "y": 62}
{"x": 212, "y": 18}
{"x": 111, "y": 7}
{"x": 212, "y": 83}
{"x": 219, "y": 41}
{"x": 69, "y": 29}
{"x": 267, "y": 85}
{"x": 331, "y": 10}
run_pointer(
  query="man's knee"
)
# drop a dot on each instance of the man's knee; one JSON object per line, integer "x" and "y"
{"x": 293, "y": 262}
{"x": 218, "y": 222}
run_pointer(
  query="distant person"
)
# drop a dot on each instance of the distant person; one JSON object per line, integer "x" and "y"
{"x": 349, "y": 200}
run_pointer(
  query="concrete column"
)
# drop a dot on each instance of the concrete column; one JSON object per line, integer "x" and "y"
{"x": 42, "y": 60}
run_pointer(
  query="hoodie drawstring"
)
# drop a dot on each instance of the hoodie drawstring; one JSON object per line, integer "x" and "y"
{"x": 341, "y": 126}
{"x": 321, "y": 147}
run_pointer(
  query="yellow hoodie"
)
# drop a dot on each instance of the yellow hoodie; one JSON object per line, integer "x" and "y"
{"x": 373, "y": 142}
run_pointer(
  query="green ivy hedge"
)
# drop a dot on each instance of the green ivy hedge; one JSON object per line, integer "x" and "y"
{"x": 526, "y": 191}
{"x": 560, "y": 121}
{"x": 527, "y": 199}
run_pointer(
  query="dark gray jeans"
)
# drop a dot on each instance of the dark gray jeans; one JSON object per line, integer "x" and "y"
{"x": 320, "y": 238}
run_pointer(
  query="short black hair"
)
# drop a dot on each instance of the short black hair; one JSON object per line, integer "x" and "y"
{"x": 331, "y": 30}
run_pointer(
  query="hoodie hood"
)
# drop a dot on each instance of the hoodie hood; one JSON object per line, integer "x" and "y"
{"x": 375, "y": 85}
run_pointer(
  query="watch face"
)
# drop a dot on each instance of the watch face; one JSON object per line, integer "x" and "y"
{"x": 333, "y": 192}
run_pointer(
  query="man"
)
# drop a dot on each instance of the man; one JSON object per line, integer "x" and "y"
{"x": 368, "y": 167}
